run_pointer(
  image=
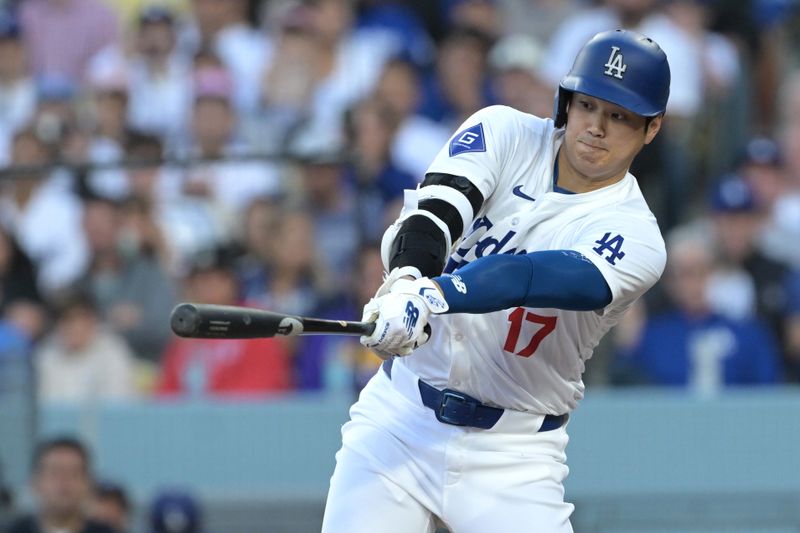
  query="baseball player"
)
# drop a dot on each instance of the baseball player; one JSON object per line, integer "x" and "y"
{"x": 525, "y": 243}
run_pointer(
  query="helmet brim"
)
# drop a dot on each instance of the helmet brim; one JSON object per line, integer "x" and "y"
{"x": 613, "y": 92}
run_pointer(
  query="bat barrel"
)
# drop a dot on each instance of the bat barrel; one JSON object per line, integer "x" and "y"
{"x": 205, "y": 321}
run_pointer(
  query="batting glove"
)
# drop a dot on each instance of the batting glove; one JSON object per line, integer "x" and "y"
{"x": 396, "y": 274}
{"x": 401, "y": 316}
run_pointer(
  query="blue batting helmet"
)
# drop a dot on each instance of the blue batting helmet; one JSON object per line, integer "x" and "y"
{"x": 622, "y": 67}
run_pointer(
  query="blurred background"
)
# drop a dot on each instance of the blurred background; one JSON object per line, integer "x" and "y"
{"x": 251, "y": 152}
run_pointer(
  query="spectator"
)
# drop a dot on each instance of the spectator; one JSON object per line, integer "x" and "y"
{"x": 177, "y": 225}
{"x": 110, "y": 505}
{"x": 20, "y": 301}
{"x": 61, "y": 481}
{"x": 255, "y": 239}
{"x": 83, "y": 361}
{"x": 55, "y": 118}
{"x": 765, "y": 170}
{"x": 332, "y": 204}
{"x": 793, "y": 327}
{"x": 17, "y": 89}
{"x": 63, "y": 35}
{"x": 404, "y": 24}
{"x": 289, "y": 82}
{"x": 43, "y": 215}
{"x": 22, "y": 318}
{"x": 459, "y": 86}
{"x": 145, "y": 174}
{"x": 228, "y": 185}
{"x": 705, "y": 94}
{"x": 339, "y": 363}
{"x": 790, "y": 128}
{"x": 141, "y": 235}
{"x": 291, "y": 280}
{"x": 160, "y": 78}
{"x": 747, "y": 284}
{"x": 128, "y": 285}
{"x": 175, "y": 511}
{"x": 378, "y": 180}
{"x": 584, "y": 23}
{"x": 516, "y": 61}
{"x": 691, "y": 345}
{"x": 223, "y": 28}
{"x": 329, "y": 64}
{"x": 418, "y": 138}
{"x": 106, "y": 143}
{"x": 368, "y": 278}
{"x": 704, "y": 64}
{"x": 774, "y": 171}
{"x": 483, "y": 16}
{"x": 242, "y": 367}
{"x": 539, "y": 19}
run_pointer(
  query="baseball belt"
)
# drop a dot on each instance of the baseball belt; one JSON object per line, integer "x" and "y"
{"x": 458, "y": 409}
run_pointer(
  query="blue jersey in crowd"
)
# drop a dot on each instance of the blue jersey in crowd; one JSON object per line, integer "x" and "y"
{"x": 703, "y": 353}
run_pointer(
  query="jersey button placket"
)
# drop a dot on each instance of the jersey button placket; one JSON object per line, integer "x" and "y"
{"x": 457, "y": 347}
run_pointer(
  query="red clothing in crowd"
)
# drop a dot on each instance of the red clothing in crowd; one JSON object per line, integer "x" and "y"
{"x": 220, "y": 367}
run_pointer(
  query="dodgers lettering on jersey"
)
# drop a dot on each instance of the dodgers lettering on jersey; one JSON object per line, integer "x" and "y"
{"x": 524, "y": 358}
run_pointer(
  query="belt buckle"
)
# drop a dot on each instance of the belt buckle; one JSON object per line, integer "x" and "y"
{"x": 459, "y": 417}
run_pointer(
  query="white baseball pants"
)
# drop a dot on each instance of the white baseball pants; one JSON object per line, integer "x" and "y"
{"x": 399, "y": 467}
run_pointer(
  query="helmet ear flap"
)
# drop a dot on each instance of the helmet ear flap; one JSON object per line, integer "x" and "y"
{"x": 563, "y": 97}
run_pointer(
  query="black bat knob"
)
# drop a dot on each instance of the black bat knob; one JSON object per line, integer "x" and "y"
{"x": 185, "y": 320}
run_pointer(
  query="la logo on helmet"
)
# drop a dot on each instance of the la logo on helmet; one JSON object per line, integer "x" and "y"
{"x": 614, "y": 66}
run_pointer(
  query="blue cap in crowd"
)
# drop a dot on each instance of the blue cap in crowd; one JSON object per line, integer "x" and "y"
{"x": 732, "y": 194}
{"x": 9, "y": 27}
{"x": 762, "y": 151}
{"x": 55, "y": 88}
{"x": 175, "y": 512}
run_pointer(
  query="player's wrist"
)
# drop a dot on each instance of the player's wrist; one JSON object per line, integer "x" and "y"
{"x": 425, "y": 290}
{"x": 406, "y": 272}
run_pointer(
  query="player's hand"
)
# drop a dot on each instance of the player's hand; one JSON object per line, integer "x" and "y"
{"x": 397, "y": 273}
{"x": 401, "y": 316}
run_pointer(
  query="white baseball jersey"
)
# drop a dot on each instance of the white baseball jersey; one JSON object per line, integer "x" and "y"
{"x": 532, "y": 359}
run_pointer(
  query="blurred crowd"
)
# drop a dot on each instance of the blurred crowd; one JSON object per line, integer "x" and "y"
{"x": 70, "y": 498}
{"x": 244, "y": 152}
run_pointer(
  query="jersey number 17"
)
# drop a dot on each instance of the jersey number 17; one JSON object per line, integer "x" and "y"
{"x": 517, "y": 318}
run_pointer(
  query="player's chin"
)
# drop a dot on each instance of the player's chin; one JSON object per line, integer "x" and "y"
{"x": 594, "y": 157}
{"x": 593, "y": 168}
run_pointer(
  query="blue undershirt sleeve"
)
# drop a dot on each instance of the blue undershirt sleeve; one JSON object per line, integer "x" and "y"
{"x": 560, "y": 279}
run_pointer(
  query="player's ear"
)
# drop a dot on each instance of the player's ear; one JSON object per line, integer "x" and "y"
{"x": 653, "y": 127}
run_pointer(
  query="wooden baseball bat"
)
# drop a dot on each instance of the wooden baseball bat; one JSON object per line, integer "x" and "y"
{"x": 206, "y": 321}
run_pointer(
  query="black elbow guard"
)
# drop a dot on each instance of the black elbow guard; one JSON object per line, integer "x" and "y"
{"x": 419, "y": 243}
{"x": 460, "y": 184}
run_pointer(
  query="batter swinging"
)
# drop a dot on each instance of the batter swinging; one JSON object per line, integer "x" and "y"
{"x": 526, "y": 242}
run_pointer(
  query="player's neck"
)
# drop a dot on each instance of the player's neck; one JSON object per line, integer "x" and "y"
{"x": 571, "y": 179}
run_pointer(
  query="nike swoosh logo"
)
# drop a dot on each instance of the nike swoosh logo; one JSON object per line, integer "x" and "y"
{"x": 518, "y": 192}
{"x": 424, "y": 289}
